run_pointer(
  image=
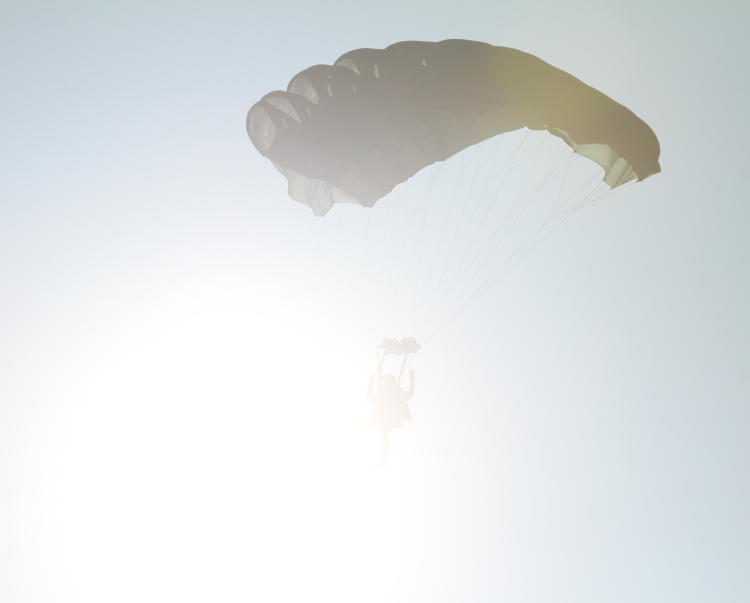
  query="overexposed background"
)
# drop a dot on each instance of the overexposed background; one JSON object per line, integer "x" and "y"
{"x": 184, "y": 353}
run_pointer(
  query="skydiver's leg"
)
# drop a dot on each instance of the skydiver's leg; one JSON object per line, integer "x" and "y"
{"x": 383, "y": 447}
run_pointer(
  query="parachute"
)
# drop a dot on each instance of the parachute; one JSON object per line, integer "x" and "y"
{"x": 352, "y": 131}
{"x": 376, "y": 129}
{"x": 405, "y": 347}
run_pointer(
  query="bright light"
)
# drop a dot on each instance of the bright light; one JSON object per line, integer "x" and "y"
{"x": 201, "y": 432}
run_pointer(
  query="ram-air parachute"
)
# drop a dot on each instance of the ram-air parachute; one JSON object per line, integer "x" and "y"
{"x": 355, "y": 130}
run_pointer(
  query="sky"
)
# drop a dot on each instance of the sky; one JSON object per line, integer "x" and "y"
{"x": 184, "y": 350}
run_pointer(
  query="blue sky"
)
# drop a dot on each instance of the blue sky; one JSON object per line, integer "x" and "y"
{"x": 184, "y": 354}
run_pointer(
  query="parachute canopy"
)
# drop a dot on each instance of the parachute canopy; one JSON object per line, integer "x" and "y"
{"x": 407, "y": 347}
{"x": 352, "y": 131}
{"x": 391, "y": 345}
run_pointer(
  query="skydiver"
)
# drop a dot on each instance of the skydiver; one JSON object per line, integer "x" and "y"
{"x": 390, "y": 408}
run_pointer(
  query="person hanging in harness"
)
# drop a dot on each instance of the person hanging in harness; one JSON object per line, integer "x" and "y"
{"x": 390, "y": 408}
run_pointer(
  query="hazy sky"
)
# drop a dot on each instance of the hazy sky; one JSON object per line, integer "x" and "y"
{"x": 184, "y": 353}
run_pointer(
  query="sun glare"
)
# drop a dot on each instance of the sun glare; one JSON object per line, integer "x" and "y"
{"x": 216, "y": 434}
